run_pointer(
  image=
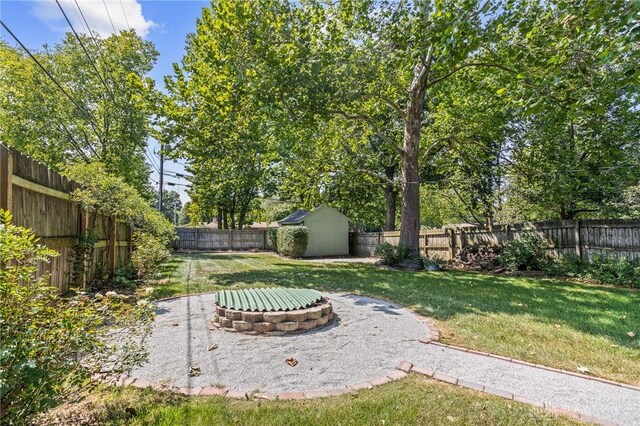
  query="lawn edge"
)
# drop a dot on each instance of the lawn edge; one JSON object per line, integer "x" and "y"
{"x": 540, "y": 366}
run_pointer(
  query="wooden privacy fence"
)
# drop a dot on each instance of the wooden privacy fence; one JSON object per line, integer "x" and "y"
{"x": 39, "y": 198}
{"x": 585, "y": 238}
{"x": 221, "y": 239}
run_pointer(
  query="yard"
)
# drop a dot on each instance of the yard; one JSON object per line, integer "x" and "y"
{"x": 555, "y": 323}
{"x": 414, "y": 400}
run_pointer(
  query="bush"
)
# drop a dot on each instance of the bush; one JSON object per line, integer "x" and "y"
{"x": 292, "y": 240}
{"x": 525, "y": 253}
{"x": 50, "y": 345}
{"x": 272, "y": 237}
{"x": 111, "y": 195}
{"x": 149, "y": 254}
{"x": 613, "y": 270}
{"x": 602, "y": 269}
{"x": 392, "y": 255}
{"x": 566, "y": 265}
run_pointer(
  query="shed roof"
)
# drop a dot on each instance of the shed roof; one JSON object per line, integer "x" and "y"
{"x": 295, "y": 217}
{"x": 299, "y": 216}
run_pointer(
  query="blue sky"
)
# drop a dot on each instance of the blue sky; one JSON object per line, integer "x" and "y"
{"x": 165, "y": 23}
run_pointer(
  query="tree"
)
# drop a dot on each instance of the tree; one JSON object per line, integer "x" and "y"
{"x": 171, "y": 204}
{"x": 393, "y": 55}
{"x": 110, "y": 118}
{"x": 575, "y": 146}
{"x": 216, "y": 112}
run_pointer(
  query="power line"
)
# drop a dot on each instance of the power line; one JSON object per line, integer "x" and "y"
{"x": 109, "y": 15}
{"x": 95, "y": 42}
{"x": 125, "y": 15}
{"x": 85, "y": 50}
{"x": 77, "y": 105}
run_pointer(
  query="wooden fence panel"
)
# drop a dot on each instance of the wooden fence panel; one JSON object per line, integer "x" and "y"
{"x": 585, "y": 238}
{"x": 39, "y": 198}
{"x": 221, "y": 239}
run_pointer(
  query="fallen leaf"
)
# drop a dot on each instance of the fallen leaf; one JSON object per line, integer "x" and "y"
{"x": 175, "y": 324}
{"x": 451, "y": 418}
{"x": 291, "y": 361}
{"x": 557, "y": 325}
{"x": 631, "y": 334}
{"x": 213, "y": 346}
{"x": 194, "y": 371}
{"x": 584, "y": 370}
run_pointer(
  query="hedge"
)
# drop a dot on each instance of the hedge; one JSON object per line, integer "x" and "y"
{"x": 292, "y": 240}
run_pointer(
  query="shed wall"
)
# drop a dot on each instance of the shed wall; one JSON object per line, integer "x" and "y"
{"x": 328, "y": 233}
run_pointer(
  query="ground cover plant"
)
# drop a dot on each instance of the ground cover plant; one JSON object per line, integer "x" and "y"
{"x": 552, "y": 322}
{"x": 414, "y": 400}
{"x": 50, "y": 346}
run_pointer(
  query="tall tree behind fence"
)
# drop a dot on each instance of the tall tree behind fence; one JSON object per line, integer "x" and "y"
{"x": 39, "y": 198}
{"x": 585, "y": 238}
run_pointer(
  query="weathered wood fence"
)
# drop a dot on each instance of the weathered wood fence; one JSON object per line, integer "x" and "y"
{"x": 585, "y": 238}
{"x": 221, "y": 239}
{"x": 39, "y": 198}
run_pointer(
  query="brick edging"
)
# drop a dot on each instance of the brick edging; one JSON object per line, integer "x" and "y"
{"x": 401, "y": 371}
{"x": 442, "y": 377}
{"x": 530, "y": 364}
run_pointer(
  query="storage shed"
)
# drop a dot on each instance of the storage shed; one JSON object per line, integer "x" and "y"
{"x": 328, "y": 230}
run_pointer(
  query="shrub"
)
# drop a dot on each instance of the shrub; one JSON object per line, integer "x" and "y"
{"x": 566, "y": 265}
{"x": 292, "y": 240}
{"x": 613, "y": 270}
{"x": 50, "y": 345}
{"x": 525, "y": 253}
{"x": 392, "y": 255}
{"x": 149, "y": 254}
{"x": 602, "y": 269}
{"x": 111, "y": 195}
{"x": 272, "y": 237}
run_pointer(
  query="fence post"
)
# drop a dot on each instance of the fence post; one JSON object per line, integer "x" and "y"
{"x": 81, "y": 277}
{"x": 452, "y": 243}
{"x": 576, "y": 237}
{"x": 6, "y": 174}
{"x": 196, "y": 241}
{"x": 111, "y": 251}
{"x": 230, "y": 239}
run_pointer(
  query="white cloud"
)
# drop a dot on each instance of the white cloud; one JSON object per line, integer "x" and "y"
{"x": 124, "y": 14}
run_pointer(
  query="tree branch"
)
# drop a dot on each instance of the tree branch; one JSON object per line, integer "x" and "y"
{"x": 468, "y": 65}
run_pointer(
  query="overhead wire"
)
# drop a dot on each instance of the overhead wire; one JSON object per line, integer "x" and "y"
{"x": 62, "y": 89}
{"x": 85, "y": 50}
{"x": 109, "y": 15}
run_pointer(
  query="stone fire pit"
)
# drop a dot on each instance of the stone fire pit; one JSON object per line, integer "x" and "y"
{"x": 271, "y": 311}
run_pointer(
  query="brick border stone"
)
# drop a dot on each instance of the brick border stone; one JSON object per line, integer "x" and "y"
{"x": 530, "y": 364}
{"x": 445, "y": 378}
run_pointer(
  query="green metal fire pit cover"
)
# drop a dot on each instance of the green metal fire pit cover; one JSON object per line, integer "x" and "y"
{"x": 267, "y": 299}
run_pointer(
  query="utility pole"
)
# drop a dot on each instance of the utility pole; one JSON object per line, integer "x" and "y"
{"x": 161, "y": 178}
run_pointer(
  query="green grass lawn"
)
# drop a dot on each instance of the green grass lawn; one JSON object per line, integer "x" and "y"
{"x": 556, "y": 323}
{"x": 415, "y": 400}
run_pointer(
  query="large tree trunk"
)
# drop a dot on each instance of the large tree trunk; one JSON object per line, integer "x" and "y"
{"x": 410, "y": 226}
{"x": 391, "y": 196}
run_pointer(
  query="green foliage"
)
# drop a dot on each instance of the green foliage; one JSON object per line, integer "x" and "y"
{"x": 527, "y": 253}
{"x": 40, "y": 121}
{"x": 110, "y": 195}
{"x": 292, "y": 240}
{"x": 393, "y": 255}
{"x": 611, "y": 270}
{"x": 272, "y": 237}
{"x": 50, "y": 345}
{"x": 149, "y": 254}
